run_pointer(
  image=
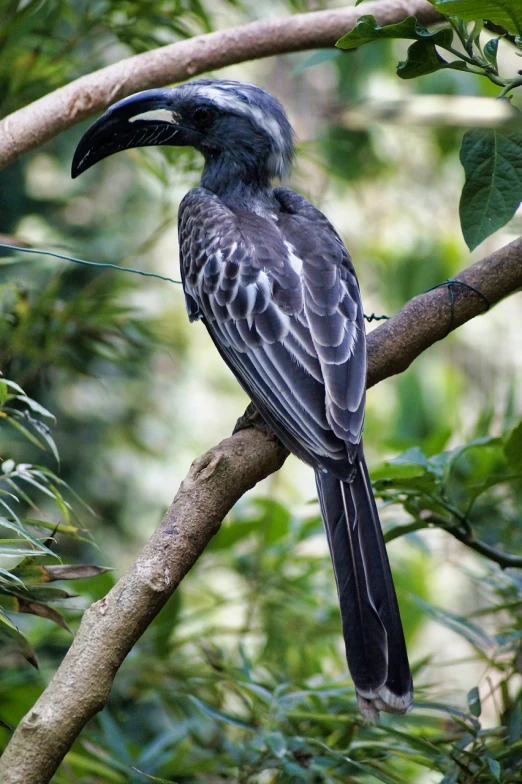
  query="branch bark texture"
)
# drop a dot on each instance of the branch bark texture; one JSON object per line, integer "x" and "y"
{"x": 45, "y": 118}
{"x": 112, "y": 626}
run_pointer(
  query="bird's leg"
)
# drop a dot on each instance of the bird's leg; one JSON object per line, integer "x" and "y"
{"x": 451, "y": 283}
{"x": 252, "y": 418}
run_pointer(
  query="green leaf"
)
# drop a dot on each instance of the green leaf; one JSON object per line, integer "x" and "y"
{"x": 423, "y": 58}
{"x": 490, "y": 51}
{"x": 15, "y": 526}
{"x": 492, "y": 162}
{"x": 474, "y": 704}
{"x": 513, "y": 448}
{"x": 24, "y": 431}
{"x": 34, "y": 406}
{"x": 9, "y": 633}
{"x": 469, "y": 631}
{"x": 218, "y": 715}
{"x": 13, "y": 385}
{"x": 154, "y": 778}
{"x": 317, "y": 58}
{"x": 410, "y": 464}
{"x": 494, "y": 767}
{"x": 507, "y": 13}
{"x": 367, "y": 29}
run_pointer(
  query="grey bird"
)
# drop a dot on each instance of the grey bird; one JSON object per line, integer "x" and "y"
{"x": 274, "y": 285}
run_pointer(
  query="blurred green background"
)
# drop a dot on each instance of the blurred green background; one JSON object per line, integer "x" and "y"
{"x": 242, "y": 676}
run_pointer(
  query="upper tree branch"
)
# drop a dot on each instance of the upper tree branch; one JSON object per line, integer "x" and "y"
{"x": 45, "y": 118}
{"x": 112, "y": 626}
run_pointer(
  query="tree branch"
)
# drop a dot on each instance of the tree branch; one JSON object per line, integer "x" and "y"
{"x": 45, "y": 118}
{"x": 214, "y": 483}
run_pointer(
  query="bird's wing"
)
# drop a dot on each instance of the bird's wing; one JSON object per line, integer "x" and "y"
{"x": 281, "y": 302}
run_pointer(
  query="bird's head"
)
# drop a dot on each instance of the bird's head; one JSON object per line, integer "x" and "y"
{"x": 242, "y": 131}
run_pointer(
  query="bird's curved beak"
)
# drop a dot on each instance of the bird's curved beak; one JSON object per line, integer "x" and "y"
{"x": 143, "y": 120}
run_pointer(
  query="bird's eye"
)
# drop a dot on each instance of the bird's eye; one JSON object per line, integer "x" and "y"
{"x": 203, "y": 115}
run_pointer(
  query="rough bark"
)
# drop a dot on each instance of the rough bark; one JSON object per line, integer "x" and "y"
{"x": 214, "y": 483}
{"x": 45, "y": 118}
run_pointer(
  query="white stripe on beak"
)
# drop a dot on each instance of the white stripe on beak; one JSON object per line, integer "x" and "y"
{"x": 155, "y": 115}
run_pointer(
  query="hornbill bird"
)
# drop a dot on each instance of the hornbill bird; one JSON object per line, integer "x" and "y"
{"x": 272, "y": 282}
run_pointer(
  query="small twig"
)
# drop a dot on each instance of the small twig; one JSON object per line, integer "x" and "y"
{"x": 511, "y": 85}
{"x": 504, "y": 560}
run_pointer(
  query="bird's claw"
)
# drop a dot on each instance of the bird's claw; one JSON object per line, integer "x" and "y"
{"x": 252, "y": 418}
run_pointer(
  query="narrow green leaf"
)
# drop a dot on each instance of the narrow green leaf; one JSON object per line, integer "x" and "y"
{"x": 24, "y": 431}
{"x": 423, "y": 59}
{"x": 9, "y": 577}
{"x": 491, "y": 50}
{"x": 469, "y": 631}
{"x": 494, "y": 767}
{"x": 474, "y": 704}
{"x": 34, "y": 406}
{"x": 507, "y": 13}
{"x": 492, "y": 162}
{"x": 219, "y": 715}
{"x": 367, "y": 29}
{"x": 513, "y": 448}
{"x": 13, "y": 385}
{"x": 317, "y": 58}
{"x": 14, "y": 526}
{"x": 94, "y": 766}
{"x": 155, "y": 778}
{"x": 9, "y": 633}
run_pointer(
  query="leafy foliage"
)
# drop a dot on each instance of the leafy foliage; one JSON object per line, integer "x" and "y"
{"x": 20, "y": 587}
{"x": 507, "y": 13}
{"x": 491, "y": 159}
{"x": 45, "y": 42}
{"x": 249, "y": 683}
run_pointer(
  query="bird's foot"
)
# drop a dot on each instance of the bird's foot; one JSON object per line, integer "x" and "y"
{"x": 252, "y": 418}
{"x": 451, "y": 283}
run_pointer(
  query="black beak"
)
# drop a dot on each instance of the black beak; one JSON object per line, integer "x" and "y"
{"x": 142, "y": 120}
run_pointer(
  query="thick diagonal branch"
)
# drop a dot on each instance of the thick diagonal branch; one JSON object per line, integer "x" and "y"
{"x": 45, "y": 118}
{"x": 112, "y": 626}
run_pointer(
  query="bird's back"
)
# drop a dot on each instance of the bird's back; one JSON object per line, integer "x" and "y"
{"x": 278, "y": 294}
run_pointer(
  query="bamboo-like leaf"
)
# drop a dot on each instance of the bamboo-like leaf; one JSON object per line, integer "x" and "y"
{"x": 33, "y": 573}
{"x": 20, "y": 605}
{"x": 36, "y": 407}
{"x": 9, "y": 633}
{"x": 14, "y": 526}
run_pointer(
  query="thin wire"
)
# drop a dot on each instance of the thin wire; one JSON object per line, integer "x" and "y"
{"x": 88, "y": 263}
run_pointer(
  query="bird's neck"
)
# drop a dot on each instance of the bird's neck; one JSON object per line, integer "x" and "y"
{"x": 237, "y": 182}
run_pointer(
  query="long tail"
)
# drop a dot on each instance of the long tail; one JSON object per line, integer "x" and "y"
{"x": 372, "y": 628}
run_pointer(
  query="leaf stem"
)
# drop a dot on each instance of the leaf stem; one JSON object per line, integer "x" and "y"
{"x": 511, "y": 85}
